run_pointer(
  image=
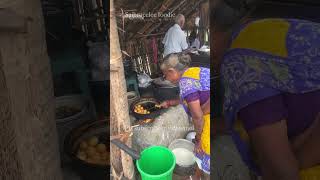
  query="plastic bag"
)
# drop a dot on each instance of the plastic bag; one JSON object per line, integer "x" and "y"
{"x": 144, "y": 80}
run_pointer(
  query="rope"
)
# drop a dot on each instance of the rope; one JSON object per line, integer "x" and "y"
{"x": 113, "y": 65}
{"x": 112, "y": 13}
{"x": 115, "y": 59}
{"x": 126, "y": 134}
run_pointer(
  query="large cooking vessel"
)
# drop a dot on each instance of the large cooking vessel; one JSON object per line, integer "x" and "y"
{"x": 164, "y": 90}
{"x": 71, "y": 144}
{"x": 149, "y": 104}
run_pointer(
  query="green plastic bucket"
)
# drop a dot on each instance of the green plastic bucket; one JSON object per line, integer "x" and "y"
{"x": 156, "y": 163}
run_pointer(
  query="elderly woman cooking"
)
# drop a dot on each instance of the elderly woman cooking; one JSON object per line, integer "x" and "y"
{"x": 194, "y": 83}
{"x": 270, "y": 69}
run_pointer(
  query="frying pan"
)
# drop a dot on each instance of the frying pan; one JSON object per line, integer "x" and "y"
{"x": 88, "y": 129}
{"x": 147, "y": 103}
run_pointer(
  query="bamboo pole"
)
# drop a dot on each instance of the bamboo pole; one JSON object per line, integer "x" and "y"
{"x": 121, "y": 163}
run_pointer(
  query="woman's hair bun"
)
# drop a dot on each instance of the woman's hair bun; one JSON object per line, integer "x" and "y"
{"x": 184, "y": 59}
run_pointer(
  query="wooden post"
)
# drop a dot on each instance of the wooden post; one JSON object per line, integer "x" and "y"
{"x": 29, "y": 144}
{"x": 204, "y": 20}
{"x": 121, "y": 163}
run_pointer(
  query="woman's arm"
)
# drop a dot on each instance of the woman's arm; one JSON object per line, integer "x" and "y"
{"x": 197, "y": 116}
{"x": 206, "y": 107}
{"x": 168, "y": 103}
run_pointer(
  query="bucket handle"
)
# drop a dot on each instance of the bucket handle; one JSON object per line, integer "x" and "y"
{"x": 134, "y": 154}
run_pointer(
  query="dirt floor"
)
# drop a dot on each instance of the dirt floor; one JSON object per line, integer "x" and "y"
{"x": 227, "y": 163}
{"x": 69, "y": 174}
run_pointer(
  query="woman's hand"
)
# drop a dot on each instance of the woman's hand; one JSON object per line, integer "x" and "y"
{"x": 197, "y": 147}
{"x": 168, "y": 103}
{"x": 165, "y": 104}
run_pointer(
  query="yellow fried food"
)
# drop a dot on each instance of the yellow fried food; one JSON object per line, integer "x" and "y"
{"x": 104, "y": 156}
{"x": 83, "y": 145}
{"x": 91, "y": 151}
{"x": 147, "y": 120}
{"x": 90, "y": 160}
{"x": 96, "y": 157}
{"x": 101, "y": 148}
{"x": 93, "y": 141}
{"x": 82, "y": 155}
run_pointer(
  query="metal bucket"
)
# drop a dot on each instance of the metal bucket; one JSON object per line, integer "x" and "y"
{"x": 181, "y": 170}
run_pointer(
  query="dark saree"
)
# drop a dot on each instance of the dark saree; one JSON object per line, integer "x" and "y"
{"x": 266, "y": 58}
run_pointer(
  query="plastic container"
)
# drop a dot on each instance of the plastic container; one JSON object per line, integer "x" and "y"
{"x": 156, "y": 163}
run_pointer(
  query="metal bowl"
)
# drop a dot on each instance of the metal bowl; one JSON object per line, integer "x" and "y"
{"x": 183, "y": 170}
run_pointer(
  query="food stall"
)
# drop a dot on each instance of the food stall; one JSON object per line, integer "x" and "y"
{"x": 142, "y": 53}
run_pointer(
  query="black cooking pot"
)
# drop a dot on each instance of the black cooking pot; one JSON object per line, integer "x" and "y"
{"x": 149, "y": 104}
{"x": 164, "y": 90}
{"x": 71, "y": 144}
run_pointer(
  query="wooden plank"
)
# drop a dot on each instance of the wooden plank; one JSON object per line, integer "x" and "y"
{"x": 121, "y": 163}
{"x": 12, "y": 22}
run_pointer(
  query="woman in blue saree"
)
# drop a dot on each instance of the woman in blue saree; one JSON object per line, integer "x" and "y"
{"x": 270, "y": 70}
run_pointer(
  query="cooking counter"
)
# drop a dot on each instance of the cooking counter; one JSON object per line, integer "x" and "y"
{"x": 172, "y": 124}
